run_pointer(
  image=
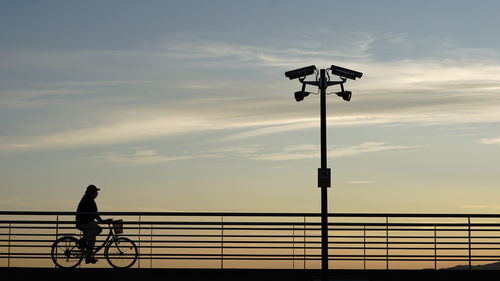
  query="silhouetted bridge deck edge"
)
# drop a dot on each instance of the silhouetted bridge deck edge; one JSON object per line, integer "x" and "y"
{"x": 86, "y": 274}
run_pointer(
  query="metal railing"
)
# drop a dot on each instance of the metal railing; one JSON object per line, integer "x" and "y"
{"x": 269, "y": 240}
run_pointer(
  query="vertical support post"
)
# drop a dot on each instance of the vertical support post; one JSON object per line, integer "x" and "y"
{"x": 305, "y": 242}
{"x": 222, "y": 244}
{"x": 364, "y": 247}
{"x": 435, "y": 247}
{"x": 57, "y": 232}
{"x": 57, "y": 226}
{"x": 8, "y": 247}
{"x": 151, "y": 251}
{"x": 470, "y": 250}
{"x": 140, "y": 238}
{"x": 387, "y": 243}
{"x": 293, "y": 246}
{"x": 324, "y": 186}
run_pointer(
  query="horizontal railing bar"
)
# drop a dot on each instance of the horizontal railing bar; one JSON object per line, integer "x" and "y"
{"x": 288, "y": 255}
{"x": 271, "y": 242}
{"x": 417, "y": 224}
{"x": 276, "y": 247}
{"x": 163, "y": 214}
{"x": 162, "y": 222}
{"x": 246, "y": 228}
{"x": 199, "y": 226}
{"x": 392, "y": 257}
{"x": 406, "y": 237}
{"x": 285, "y": 259}
{"x": 254, "y": 214}
{"x": 264, "y": 223}
{"x": 274, "y": 236}
{"x": 177, "y": 235}
{"x": 297, "y": 257}
{"x": 176, "y": 228}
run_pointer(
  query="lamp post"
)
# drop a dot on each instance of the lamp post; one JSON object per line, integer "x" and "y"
{"x": 322, "y": 81}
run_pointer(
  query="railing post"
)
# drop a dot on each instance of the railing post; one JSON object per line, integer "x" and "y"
{"x": 305, "y": 242}
{"x": 387, "y": 243}
{"x": 8, "y": 248}
{"x": 470, "y": 250}
{"x": 293, "y": 246}
{"x": 364, "y": 247}
{"x": 57, "y": 226}
{"x": 435, "y": 247}
{"x": 151, "y": 251}
{"x": 222, "y": 244}
{"x": 140, "y": 238}
{"x": 57, "y": 232}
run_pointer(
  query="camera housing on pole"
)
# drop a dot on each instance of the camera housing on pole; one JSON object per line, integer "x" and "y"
{"x": 346, "y": 73}
{"x": 300, "y": 72}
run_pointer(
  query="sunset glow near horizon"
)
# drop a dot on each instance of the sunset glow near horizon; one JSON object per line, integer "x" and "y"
{"x": 184, "y": 106}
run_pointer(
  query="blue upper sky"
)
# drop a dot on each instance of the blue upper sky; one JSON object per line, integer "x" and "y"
{"x": 118, "y": 25}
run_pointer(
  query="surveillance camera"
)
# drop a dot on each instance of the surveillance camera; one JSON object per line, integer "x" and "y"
{"x": 301, "y": 72}
{"x": 344, "y": 72}
{"x": 300, "y": 95}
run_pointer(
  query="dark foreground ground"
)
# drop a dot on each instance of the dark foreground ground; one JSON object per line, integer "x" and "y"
{"x": 50, "y": 274}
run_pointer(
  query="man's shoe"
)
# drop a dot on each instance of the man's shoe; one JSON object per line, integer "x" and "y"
{"x": 90, "y": 260}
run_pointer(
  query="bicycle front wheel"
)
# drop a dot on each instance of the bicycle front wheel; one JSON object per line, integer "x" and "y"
{"x": 121, "y": 252}
{"x": 66, "y": 252}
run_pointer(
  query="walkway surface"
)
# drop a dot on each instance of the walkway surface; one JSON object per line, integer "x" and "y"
{"x": 52, "y": 274}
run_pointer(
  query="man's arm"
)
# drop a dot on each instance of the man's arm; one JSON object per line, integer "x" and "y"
{"x": 100, "y": 220}
{"x": 97, "y": 217}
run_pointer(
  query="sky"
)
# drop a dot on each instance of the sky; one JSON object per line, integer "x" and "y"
{"x": 184, "y": 106}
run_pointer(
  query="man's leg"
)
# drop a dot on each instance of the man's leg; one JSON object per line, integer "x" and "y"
{"x": 90, "y": 232}
{"x": 87, "y": 248}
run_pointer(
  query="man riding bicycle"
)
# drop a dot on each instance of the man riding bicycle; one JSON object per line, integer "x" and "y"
{"x": 87, "y": 222}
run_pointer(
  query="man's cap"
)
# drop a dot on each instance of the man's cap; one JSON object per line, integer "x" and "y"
{"x": 92, "y": 188}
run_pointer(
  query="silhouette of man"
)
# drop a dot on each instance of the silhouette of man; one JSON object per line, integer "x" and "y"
{"x": 87, "y": 222}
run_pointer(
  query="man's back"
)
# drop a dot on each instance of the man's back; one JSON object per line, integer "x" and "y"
{"x": 87, "y": 204}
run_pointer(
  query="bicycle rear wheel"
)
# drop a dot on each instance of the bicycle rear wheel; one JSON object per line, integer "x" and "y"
{"x": 66, "y": 252}
{"x": 121, "y": 252}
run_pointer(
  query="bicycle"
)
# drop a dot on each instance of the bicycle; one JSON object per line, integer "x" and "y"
{"x": 120, "y": 252}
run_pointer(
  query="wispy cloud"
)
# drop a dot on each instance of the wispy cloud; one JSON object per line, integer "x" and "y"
{"x": 141, "y": 157}
{"x": 410, "y": 91}
{"x": 312, "y": 151}
{"x": 490, "y": 141}
{"x": 361, "y": 182}
{"x": 246, "y": 150}
{"x": 252, "y": 118}
{"x": 36, "y": 97}
{"x": 218, "y": 52}
{"x": 301, "y": 152}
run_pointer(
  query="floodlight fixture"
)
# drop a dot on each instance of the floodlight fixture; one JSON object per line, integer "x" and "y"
{"x": 300, "y": 72}
{"x": 344, "y": 72}
{"x": 300, "y": 95}
{"x": 346, "y": 95}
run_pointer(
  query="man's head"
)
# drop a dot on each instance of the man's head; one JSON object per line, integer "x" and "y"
{"x": 92, "y": 191}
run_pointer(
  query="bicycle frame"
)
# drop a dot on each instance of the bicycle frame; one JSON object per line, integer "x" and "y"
{"x": 108, "y": 239}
